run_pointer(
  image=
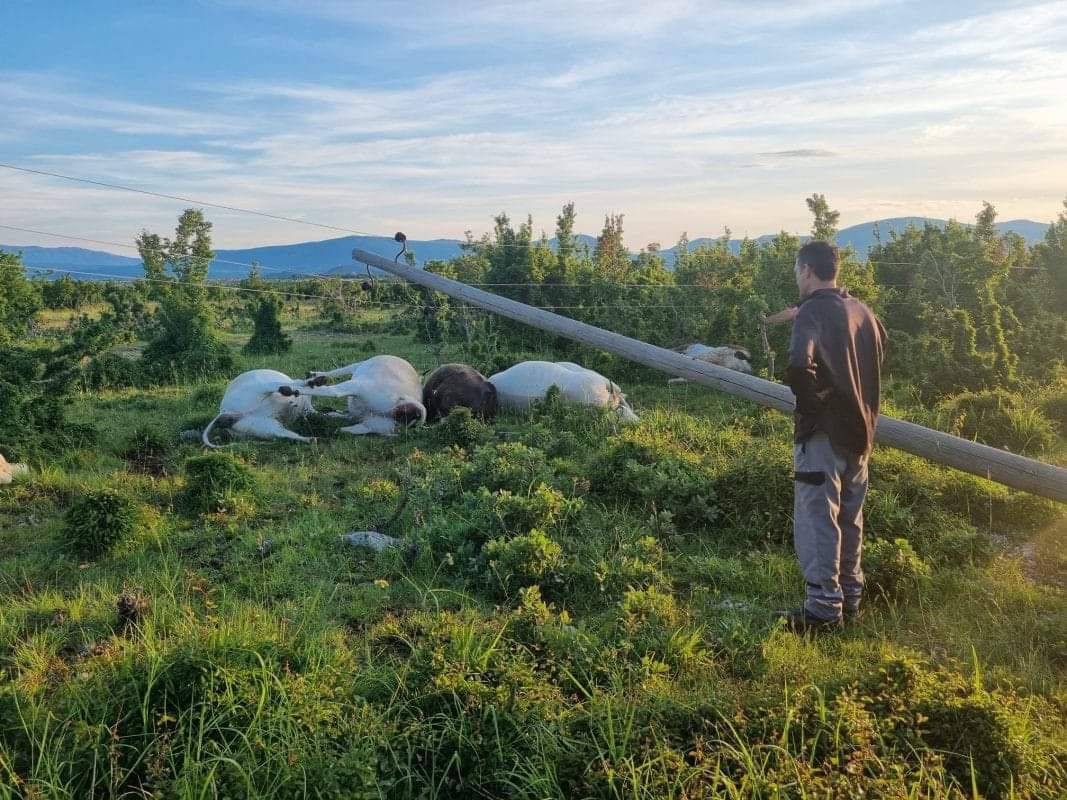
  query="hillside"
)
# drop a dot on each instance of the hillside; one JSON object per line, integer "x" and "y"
{"x": 576, "y": 609}
{"x": 334, "y": 256}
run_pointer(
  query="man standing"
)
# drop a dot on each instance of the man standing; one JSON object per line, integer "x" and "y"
{"x": 835, "y": 359}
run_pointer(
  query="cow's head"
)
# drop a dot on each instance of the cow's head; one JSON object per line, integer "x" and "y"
{"x": 410, "y": 413}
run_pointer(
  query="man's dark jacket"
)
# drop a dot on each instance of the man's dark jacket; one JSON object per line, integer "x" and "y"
{"x": 835, "y": 361}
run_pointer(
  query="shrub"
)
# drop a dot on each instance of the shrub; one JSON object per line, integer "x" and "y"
{"x": 754, "y": 489}
{"x": 532, "y": 559}
{"x": 511, "y": 466}
{"x": 100, "y": 519}
{"x": 19, "y": 299}
{"x": 184, "y": 346}
{"x": 111, "y": 371}
{"x": 942, "y": 538}
{"x": 34, "y": 388}
{"x": 647, "y": 468}
{"x": 929, "y": 491}
{"x": 1000, "y": 419}
{"x": 461, "y": 429}
{"x": 508, "y": 513}
{"x": 1054, "y": 407}
{"x": 893, "y": 568}
{"x": 217, "y": 482}
{"x": 632, "y": 565}
{"x": 905, "y": 724}
{"x": 267, "y": 337}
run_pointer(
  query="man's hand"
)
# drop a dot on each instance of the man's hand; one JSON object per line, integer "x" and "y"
{"x": 785, "y": 315}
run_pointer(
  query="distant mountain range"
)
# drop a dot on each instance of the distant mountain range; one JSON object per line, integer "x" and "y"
{"x": 334, "y": 256}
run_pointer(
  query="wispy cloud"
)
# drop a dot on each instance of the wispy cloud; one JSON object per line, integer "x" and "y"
{"x": 613, "y": 105}
{"x": 808, "y": 152}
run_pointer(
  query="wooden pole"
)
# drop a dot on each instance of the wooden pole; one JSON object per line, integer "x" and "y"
{"x": 1001, "y": 466}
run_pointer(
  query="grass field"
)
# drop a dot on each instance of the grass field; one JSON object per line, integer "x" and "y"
{"x": 575, "y": 610}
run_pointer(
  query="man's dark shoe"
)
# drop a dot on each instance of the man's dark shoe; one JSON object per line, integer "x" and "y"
{"x": 853, "y": 614}
{"x": 801, "y": 621}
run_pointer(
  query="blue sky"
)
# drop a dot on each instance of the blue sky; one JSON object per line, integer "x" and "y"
{"x": 432, "y": 117}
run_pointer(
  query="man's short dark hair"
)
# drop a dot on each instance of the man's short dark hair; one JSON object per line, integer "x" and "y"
{"x": 820, "y": 257}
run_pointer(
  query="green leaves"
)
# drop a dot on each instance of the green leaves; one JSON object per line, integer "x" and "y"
{"x": 98, "y": 520}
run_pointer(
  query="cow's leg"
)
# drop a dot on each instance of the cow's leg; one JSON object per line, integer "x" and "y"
{"x": 337, "y": 390}
{"x": 383, "y": 426}
{"x": 266, "y": 428}
{"x": 333, "y": 374}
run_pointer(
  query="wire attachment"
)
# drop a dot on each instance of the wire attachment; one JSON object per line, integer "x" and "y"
{"x": 400, "y": 237}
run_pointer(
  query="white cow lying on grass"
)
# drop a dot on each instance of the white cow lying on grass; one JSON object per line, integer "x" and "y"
{"x": 729, "y": 356}
{"x": 8, "y": 471}
{"x": 384, "y": 394}
{"x": 519, "y": 386}
{"x": 256, "y": 403}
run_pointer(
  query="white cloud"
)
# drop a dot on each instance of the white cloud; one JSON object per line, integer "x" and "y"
{"x": 940, "y": 117}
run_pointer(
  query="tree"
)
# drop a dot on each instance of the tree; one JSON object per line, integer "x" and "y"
{"x": 183, "y": 260}
{"x": 19, "y": 299}
{"x": 1051, "y": 256}
{"x": 184, "y": 345}
{"x": 564, "y": 243}
{"x": 612, "y": 260}
{"x": 255, "y": 277}
{"x": 825, "y": 224}
{"x": 267, "y": 338}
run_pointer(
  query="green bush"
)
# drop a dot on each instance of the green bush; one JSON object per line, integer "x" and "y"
{"x": 1054, "y": 407}
{"x": 904, "y": 724}
{"x": 528, "y": 560}
{"x": 267, "y": 337}
{"x": 217, "y": 482}
{"x": 112, "y": 371}
{"x": 1000, "y": 419}
{"x": 653, "y": 471}
{"x": 35, "y": 387}
{"x": 461, "y": 429}
{"x": 99, "y": 520}
{"x": 754, "y": 490}
{"x": 503, "y": 512}
{"x": 511, "y": 466}
{"x": 892, "y": 568}
{"x": 929, "y": 491}
{"x": 184, "y": 346}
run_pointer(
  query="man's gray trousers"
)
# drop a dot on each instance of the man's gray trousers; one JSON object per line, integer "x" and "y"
{"x": 830, "y": 487}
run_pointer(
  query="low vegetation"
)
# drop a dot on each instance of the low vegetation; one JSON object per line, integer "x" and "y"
{"x": 575, "y": 610}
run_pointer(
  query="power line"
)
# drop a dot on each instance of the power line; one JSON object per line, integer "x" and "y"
{"x": 238, "y": 209}
{"x": 279, "y": 217}
{"x": 296, "y": 271}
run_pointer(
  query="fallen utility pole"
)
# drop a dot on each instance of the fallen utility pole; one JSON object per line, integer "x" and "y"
{"x": 1000, "y": 466}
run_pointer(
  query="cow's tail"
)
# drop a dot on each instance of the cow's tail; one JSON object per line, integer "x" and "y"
{"x": 225, "y": 419}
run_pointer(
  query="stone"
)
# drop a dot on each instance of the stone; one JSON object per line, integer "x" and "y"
{"x": 371, "y": 539}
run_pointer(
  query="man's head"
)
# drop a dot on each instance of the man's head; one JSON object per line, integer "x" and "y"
{"x": 816, "y": 267}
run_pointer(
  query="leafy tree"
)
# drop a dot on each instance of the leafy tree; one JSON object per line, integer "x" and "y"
{"x": 267, "y": 338}
{"x": 183, "y": 260}
{"x": 255, "y": 277}
{"x": 19, "y": 299}
{"x": 825, "y": 224}
{"x": 1051, "y": 256}
{"x": 184, "y": 344}
{"x": 612, "y": 260}
{"x": 566, "y": 249}
{"x": 509, "y": 257}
